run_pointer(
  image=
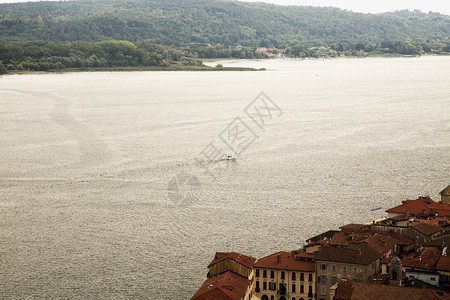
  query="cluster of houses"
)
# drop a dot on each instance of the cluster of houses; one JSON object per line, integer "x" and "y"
{"x": 402, "y": 256}
{"x": 270, "y": 52}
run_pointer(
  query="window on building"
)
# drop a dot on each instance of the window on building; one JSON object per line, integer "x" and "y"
{"x": 294, "y": 276}
{"x": 272, "y": 286}
{"x": 257, "y": 286}
{"x": 310, "y": 277}
{"x": 323, "y": 278}
{"x": 293, "y": 287}
{"x": 264, "y": 273}
{"x": 373, "y": 265}
{"x": 323, "y": 290}
{"x": 302, "y": 276}
{"x": 293, "y": 298}
{"x": 272, "y": 274}
{"x": 282, "y": 274}
{"x": 310, "y": 291}
{"x": 272, "y": 297}
{"x": 344, "y": 268}
{"x": 323, "y": 266}
{"x": 433, "y": 278}
{"x": 302, "y": 288}
{"x": 257, "y": 273}
{"x": 264, "y": 285}
{"x": 355, "y": 279}
{"x": 355, "y": 270}
{"x": 333, "y": 279}
{"x": 333, "y": 268}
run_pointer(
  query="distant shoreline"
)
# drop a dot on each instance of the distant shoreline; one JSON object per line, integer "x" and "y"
{"x": 393, "y": 55}
{"x": 203, "y": 68}
{"x": 142, "y": 68}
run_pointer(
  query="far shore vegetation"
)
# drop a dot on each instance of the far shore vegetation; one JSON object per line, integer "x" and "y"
{"x": 129, "y": 56}
{"x": 86, "y": 35}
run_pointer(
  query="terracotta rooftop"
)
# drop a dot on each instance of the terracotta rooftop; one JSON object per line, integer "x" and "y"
{"x": 426, "y": 229}
{"x": 379, "y": 241}
{"x": 326, "y": 235}
{"x": 422, "y": 205}
{"x": 426, "y": 260}
{"x": 444, "y": 264}
{"x": 305, "y": 255}
{"x": 399, "y": 218}
{"x": 351, "y": 290}
{"x": 226, "y": 286}
{"x": 285, "y": 261}
{"x": 353, "y": 227}
{"x": 401, "y": 239}
{"x": 355, "y": 254}
{"x": 244, "y": 260}
{"x": 439, "y": 241}
{"x": 433, "y": 221}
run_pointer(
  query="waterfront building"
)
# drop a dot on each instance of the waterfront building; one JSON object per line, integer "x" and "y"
{"x": 285, "y": 276}
{"x": 355, "y": 262}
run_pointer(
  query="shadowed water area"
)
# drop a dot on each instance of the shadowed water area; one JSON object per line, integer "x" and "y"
{"x": 86, "y": 160}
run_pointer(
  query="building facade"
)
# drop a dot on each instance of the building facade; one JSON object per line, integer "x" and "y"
{"x": 354, "y": 263}
{"x": 285, "y": 276}
{"x": 445, "y": 195}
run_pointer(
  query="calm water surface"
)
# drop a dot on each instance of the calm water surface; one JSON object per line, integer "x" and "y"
{"x": 85, "y": 161}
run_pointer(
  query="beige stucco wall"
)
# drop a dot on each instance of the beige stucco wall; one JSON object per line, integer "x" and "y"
{"x": 363, "y": 273}
{"x": 229, "y": 265}
{"x": 288, "y": 281}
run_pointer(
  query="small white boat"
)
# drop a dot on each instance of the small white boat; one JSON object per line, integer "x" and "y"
{"x": 233, "y": 156}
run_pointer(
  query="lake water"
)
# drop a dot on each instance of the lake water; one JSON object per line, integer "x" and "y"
{"x": 86, "y": 159}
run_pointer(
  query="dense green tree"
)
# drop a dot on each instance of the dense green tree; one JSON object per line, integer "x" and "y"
{"x": 182, "y": 22}
{"x": 11, "y": 52}
{"x": 2, "y": 68}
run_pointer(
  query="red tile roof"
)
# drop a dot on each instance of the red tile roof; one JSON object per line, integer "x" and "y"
{"x": 426, "y": 229}
{"x": 305, "y": 255}
{"x": 353, "y": 227}
{"x": 226, "y": 286}
{"x": 443, "y": 264}
{"x": 433, "y": 221}
{"x": 354, "y": 254}
{"x": 351, "y": 290}
{"x": 326, "y": 235}
{"x": 285, "y": 261}
{"x": 380, "y": 242}
{"x": 439, "y": 241}
{"x": 340, "y": 238}
{"x": 244, "y": 260}
{"x": 420, "y": 206}
{"x": 427, "y": 260}
{"x": 399, "y": 218}
{"x": 401, "y": 239}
